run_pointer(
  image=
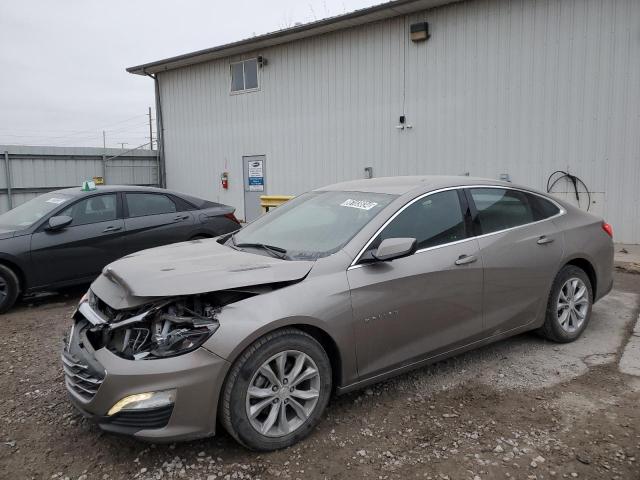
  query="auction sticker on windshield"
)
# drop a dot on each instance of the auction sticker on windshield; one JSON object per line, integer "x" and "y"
{"x": 361, "y": 204}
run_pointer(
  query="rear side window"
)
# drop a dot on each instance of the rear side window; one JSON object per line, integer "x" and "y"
{"x": 143, "y": 204}
{"x": 542, "y": 208}
{"x": 499, "y": 209}
{"x": 96, "y": 209}
{"x": 433, "y": 220}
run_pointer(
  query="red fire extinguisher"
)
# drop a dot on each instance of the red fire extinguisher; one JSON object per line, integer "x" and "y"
{"x": 224, "y": 179}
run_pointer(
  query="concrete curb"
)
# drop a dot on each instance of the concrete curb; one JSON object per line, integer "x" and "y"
{"x": 630, "y": 361}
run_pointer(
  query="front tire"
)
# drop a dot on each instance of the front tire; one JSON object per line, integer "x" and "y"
{"x": 9, "y": 288}
{"x": 569, "y": 305}
{"x": 276, "y": 391}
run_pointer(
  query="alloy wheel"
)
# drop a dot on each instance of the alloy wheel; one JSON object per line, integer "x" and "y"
{"x": 573, "y": 305}
{"x": 283, "y": 393}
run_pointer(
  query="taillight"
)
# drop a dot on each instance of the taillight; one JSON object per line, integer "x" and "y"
{"x": 232, "y": 217}
{"x": 607, "y": 228}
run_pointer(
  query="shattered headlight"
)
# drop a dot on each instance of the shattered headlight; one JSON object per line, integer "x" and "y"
{"x": 175, "y": 327}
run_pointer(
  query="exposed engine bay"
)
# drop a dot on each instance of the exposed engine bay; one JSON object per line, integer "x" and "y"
{"x": 162, "y": 329}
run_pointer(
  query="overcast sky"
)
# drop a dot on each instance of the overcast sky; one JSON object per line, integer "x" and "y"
{"x": 62, "y": 62}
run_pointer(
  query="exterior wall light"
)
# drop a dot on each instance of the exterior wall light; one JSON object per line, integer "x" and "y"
{"x": 419, "y": 32}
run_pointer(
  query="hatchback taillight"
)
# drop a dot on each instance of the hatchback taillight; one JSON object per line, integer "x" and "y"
{"x": 607, "y": 228}
{"x": 232, "y": 217}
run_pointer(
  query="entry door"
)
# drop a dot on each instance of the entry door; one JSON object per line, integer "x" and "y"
{"x": 520, "y": 255}
{"x": 255, "y": 176}
{"x": 79, "y": 251}
{"x": 425, "y": 304}
{"x": 154, "y": 219}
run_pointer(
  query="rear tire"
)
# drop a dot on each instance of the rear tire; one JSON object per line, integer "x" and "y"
{"x": 9, "y": 288}
{"x": 276, "y": 409}
{"x": 569, "y": 306}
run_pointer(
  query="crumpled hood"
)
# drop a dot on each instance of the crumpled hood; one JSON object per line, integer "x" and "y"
{"x": 198, "y": 266}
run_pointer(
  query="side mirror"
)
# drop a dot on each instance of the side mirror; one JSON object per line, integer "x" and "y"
{"x": 392, "y": 248}
{"x": 58, "y": 223}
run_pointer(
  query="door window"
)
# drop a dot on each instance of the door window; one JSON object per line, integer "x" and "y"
{"x": 499, "y": 209}
{"x": 542, "y": 208}
{"x": 432, "y": 220}
{"x": 143, "y": 204}
{"x": 99, "y": 208}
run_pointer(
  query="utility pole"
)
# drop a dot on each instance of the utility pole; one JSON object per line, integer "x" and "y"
{"x": 104, "y": 139}
{"x": 122, "y": 144}
{"x": 150, "y": 131}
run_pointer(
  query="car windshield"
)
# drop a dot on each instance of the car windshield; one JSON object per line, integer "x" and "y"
{"x": 315, "y": 224}
{"x": 28, "y": 213}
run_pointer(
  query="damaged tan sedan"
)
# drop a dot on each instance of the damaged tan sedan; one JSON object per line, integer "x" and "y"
{"x": 339, "y": 288}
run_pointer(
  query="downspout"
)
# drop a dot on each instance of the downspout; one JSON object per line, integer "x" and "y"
{"x": 162, "y": 171}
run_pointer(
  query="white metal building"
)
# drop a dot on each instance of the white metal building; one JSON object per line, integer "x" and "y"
{"x": 516, "y": 88}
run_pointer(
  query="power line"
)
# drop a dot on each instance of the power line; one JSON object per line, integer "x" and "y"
{"x": 84, "y": 133}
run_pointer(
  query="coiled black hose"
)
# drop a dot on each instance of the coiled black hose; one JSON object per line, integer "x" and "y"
{"x": 574, "y": 181}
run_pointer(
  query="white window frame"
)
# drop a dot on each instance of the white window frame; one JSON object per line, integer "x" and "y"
{"x": 244, "y": 90}
{"x": 562, "y": 211}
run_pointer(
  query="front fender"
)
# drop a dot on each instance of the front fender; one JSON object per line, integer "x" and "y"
{"x": 317, "y": 302}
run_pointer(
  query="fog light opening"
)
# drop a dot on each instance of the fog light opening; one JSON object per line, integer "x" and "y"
{"x": 145, "y": 400}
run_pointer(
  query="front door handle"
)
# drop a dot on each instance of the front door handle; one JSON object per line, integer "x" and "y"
{"x": 465, "y": 259}
{"x": 112, "y": 228}
{"x": 543, "y": 240}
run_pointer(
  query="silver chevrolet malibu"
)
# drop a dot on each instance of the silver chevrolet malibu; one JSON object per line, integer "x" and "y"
{"x": 341, "y": 287}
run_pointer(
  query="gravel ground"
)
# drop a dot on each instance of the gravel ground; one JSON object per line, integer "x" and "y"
{"x": 523, "y": 408}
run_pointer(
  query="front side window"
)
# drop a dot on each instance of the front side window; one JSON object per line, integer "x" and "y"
{"x": 499, "y": 209}
{"x": 432, "y": 220}
{"x": 143, "y": 204}
{"x": 100, "y": 208}
{"x": 315, "y": 224}
{"x": 244, "y": 75}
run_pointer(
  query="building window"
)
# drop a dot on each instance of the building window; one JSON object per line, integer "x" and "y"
{"x": 244, "y": 75}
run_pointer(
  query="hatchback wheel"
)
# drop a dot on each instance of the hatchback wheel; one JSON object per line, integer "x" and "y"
{"x": 277, "y": 390}
{"x": 569, "y": 305}
{"x": 9, "y": 288}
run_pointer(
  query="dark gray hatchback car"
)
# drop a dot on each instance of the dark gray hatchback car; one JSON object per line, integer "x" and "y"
{"x": 66, "y": 237}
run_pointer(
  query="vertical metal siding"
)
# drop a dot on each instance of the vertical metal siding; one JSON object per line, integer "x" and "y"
{"x": 35, "y": 170}
{"x": 523, "y": 87}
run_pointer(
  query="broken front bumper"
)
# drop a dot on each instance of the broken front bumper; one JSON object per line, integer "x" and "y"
{"x": 97, "y": 379}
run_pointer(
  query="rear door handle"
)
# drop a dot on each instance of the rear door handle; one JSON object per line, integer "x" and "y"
{"x": 112, "y": 228}
{"x": 465, "y": 259}
{"x": 179, "y": 218}
{"x": 543, "y": 240}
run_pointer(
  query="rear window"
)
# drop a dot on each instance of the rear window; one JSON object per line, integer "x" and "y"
{"x": 499, "y": 209}
{"x": 542, "y": 208}
{"x": 143, "y": 204}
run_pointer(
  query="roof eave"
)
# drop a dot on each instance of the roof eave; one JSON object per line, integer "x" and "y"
{"x": 319, "y": 27}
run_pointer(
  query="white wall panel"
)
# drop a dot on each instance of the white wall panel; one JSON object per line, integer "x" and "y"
{"x": 521, "y": 87}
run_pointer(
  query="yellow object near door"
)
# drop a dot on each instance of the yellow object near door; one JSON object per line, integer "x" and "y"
{"x": 272, "y": 201}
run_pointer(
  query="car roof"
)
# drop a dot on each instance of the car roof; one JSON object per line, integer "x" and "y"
{"x": 405, "y": 184}
{"x": 78, "y": 192}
